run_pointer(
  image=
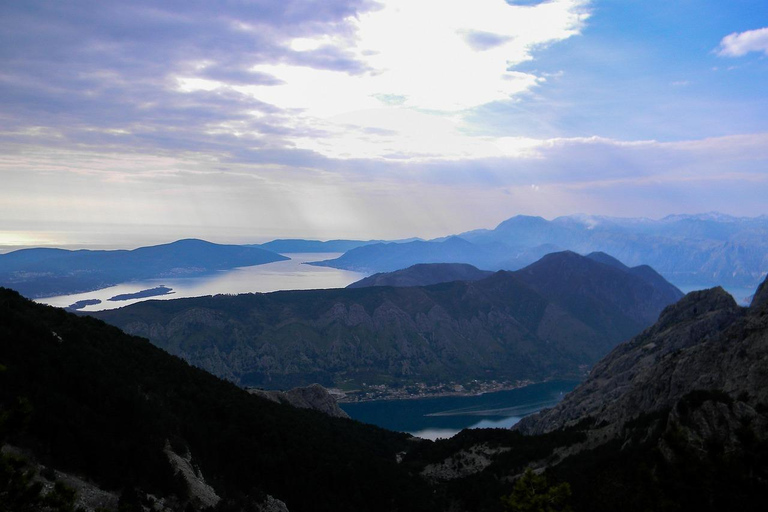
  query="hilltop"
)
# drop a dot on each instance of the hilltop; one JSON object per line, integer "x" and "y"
{"x": 539, "y": 323}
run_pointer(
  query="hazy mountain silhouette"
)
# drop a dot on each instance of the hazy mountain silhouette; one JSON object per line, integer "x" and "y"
{"x": 46, "y": 272}
{"x": 688, "y": 250}
{"x": 424, "y": 274}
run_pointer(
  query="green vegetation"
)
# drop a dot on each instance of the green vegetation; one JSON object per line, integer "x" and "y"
{"x": 533, "y": 493}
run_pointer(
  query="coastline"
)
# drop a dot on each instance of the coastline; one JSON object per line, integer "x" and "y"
{"x": 385, "y": 394}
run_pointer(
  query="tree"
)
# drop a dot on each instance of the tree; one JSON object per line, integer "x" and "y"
{"x": 533, "y": 493}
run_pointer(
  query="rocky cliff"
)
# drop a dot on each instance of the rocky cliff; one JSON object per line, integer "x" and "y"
{"x": 675, "y": 419}
{"x": 703, "y": 346}
{"x": 314, "y": 397}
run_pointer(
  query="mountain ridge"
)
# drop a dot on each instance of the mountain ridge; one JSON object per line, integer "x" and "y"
{"x": 47, "y": 272}
{"x": 688, "y": 250}
{"x": 498, "y": 327}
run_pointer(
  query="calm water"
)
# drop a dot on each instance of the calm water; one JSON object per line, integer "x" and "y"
{"x": 280, "y": 275}
{"x": 431, "y": 418}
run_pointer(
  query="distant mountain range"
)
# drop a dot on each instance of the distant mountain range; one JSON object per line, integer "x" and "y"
{"x": 46, "y": 272}
{"x": 688, "y": 250}
{"x": 388, "y": 257}
{"x": 300, "y": 245}
{"x": 553, "y": 318}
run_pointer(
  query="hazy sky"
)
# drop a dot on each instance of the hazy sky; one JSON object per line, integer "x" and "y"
{"x": 240, "y": 120}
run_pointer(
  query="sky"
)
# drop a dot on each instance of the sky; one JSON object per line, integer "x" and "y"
{"x": 126, "y": 123}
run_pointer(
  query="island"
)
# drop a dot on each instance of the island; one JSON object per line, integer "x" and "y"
{"x": 83, "y": 303}
{"x": 143, "y": 294}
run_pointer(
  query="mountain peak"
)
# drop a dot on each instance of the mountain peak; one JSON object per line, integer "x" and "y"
{"x": 522, "y": 220}
{"x": 761, "y": 295}
{"x": 606, "y": 259}
{"x": 696, "y": 304}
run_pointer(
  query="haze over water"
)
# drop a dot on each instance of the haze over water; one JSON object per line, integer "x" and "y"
{"x": 292, "y": 274}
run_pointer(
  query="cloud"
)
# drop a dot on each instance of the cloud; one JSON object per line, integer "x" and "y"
{"x": 435, "y": 55}
{"x": 739, "y": 44}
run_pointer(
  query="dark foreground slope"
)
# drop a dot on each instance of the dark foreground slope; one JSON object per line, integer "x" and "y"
{"x": 104, "y": 405}
{"x": 536, "y": 324}
{"x": 674, "y": 420}
{"x": 46, "y": 272}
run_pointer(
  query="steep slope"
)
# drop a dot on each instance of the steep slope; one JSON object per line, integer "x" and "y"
{"x": 675, "y": 419}
{"x": 424, "y": 274}
{"x": 689, "y": 348}
{"x": 83, "y": 397}
{"x": 314, "y": 397}
{"x": 47, "y": 272}
{"x": 500, "y": 327}
{"x": 611, "y": 296}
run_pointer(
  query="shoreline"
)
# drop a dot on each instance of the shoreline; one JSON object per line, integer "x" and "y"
{"x": 377, "y": 394}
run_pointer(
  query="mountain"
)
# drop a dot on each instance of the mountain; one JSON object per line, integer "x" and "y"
{"x": 534, "y": 324}
{"x": 424, "y": 274}
{"x": 388, "y": 257}
{"x": 688, "y": 250}
{"x": 704, "y": 342}
{"x": 298, "y": 245}
{"x": 134, "y": 427}
{"x": 674, "y": 419}
{"x": 47, "y": 272}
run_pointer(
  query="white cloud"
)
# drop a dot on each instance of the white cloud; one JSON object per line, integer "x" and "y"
{"x": 427, "y": 61}
{"x": 420, "y": 50}
{"x": 742, "y": 43}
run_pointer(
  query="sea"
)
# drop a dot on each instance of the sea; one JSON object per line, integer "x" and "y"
{"x": 293, "y": 274}
{"x": 444, "y": 417}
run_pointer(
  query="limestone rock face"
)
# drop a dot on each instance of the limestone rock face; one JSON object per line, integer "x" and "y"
{"x": 653, "y": 370}
{"x": 760, "y": 298}
{"x": 271, "y": 504}
{"x": 199, "y": 491}
{"x": 314, "y": 397}
{"x": 706, "y": 345}
{"x": 463, "y": 463}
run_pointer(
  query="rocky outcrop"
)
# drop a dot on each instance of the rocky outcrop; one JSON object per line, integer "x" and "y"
{"x": 705, "y": 361}
{"x": 314, "y": 397}
{"x": 200, "y": 492}
{"x": 760, "y": 299}
{"x": 463, "y": 463}
{"x": 271, "y": 504}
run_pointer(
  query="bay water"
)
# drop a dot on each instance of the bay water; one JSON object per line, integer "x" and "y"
{"x": 292, "y": 274}
{"x": 443, "y": 417}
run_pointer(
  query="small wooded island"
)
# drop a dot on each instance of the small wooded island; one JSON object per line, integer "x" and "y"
{"x": 143, "y": 294}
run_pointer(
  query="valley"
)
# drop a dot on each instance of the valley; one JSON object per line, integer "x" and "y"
{"x": 383, "y": 256}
